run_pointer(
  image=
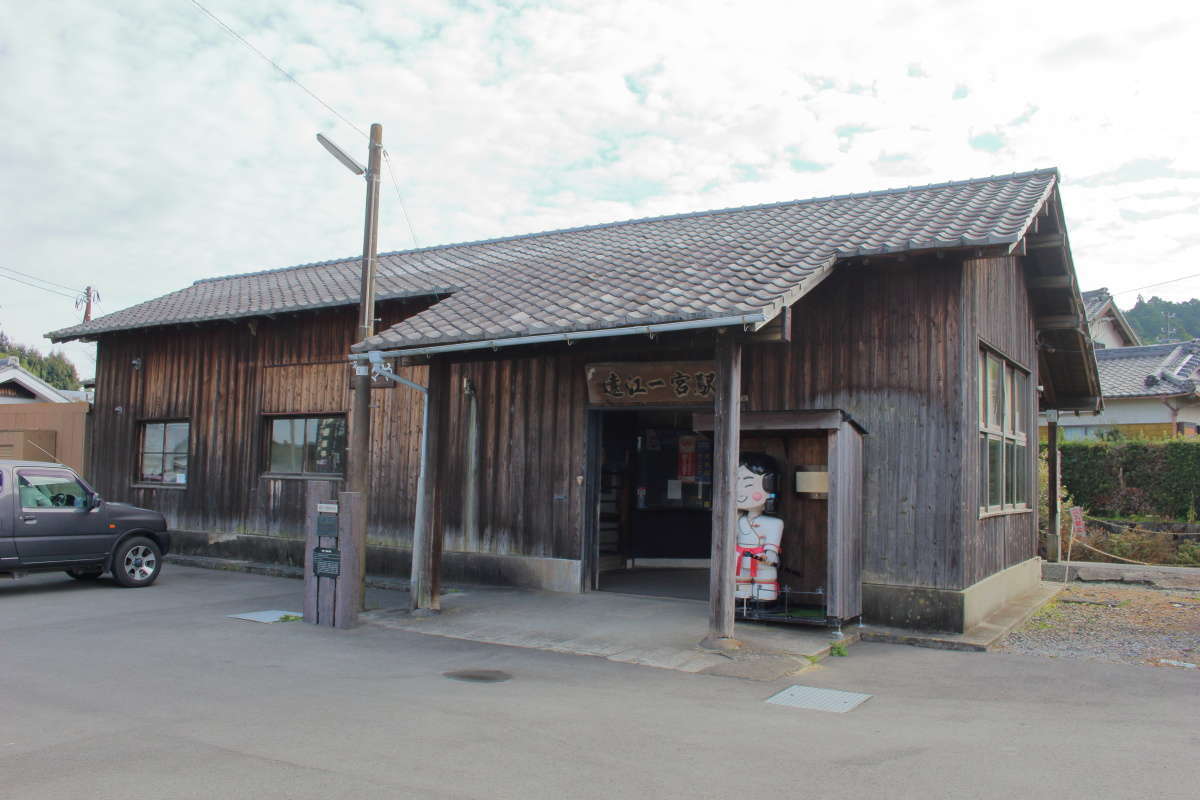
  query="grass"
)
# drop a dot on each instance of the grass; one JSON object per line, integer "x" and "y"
{"x": 1046, "y": 617}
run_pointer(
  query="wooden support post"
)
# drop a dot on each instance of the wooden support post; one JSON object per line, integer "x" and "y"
{"x": 727, "y": 411}
{"x": 1053, "y": 523}
{"x": 352, "y": 511}
{"x": 425, "y": 583}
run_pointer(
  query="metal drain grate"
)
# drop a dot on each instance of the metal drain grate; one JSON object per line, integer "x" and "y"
{"x": 819, "y": 699}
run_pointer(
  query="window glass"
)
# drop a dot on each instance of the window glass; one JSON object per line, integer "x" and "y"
{"x": 287, "y": 445}
{"x": 51, "y": 490}
{"x": 983, "y": 471}
{"x": 983, "y": 389}
{"x": 1020, "y": 400}
{"x": 995, "y": 472}
{"x": 1008, "y": 399}
{"x": 308, "y": 445}
{"x": 1021, "y": 459}
{"x": 165, "y": 452}
{"x": 1010, "y": 472}
{"x": 995, "y": 392}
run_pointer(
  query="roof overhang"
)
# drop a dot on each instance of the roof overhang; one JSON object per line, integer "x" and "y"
{"x": 1067, "y": 369}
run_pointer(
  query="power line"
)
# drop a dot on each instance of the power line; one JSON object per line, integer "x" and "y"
{"x": 36, "y": 278}
{"x": 314, "y": 96}
{"x": 1152, "y": 285}
{"x": 43, "y": 288}
{"x": 396, "y": 184}
{"x": 282, "y": 71}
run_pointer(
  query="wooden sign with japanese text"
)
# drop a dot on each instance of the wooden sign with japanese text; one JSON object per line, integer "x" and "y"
{"x": 641, "y": 383}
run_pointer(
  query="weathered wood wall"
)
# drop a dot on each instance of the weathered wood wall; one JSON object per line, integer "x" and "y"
{"x": 882, "y": 342}
{"x": 893, "y": 343}
{"x": 997, "y": 311}
{"x": 226, "y": 379}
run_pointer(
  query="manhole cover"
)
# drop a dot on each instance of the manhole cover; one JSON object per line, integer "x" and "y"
{"x": 478, "y": 675}
{"x": 819, "y": 699}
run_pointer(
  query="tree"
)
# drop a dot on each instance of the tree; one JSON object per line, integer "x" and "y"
{"x": 55, "y": 369}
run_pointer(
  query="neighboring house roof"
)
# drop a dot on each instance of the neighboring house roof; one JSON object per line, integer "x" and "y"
{"x": 1098, "y": 305}
{"x": 688, "y": 266}
{"x": 14, "y": 375}
{"x": 1158, "y": 370}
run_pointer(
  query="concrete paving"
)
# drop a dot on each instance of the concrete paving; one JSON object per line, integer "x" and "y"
{"x": 155, "y": 693}
{"x": 1088, "y": 571}
{"x": 651, "y": 631}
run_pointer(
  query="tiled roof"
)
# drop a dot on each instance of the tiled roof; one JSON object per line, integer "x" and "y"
{"x": 1094, "y": 302}
{"x": 690, "y": 266}
{"x": 1150, "y": 370}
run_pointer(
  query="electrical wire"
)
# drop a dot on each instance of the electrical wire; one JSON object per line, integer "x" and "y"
{"x": 1152, "y": 285}
{"x": 282, "y": 71}
{"x": 387, "y": 159}
{"x": 36, "y": 278}
{"x": 43, "y": 288}
{"x": 313, "y": 95}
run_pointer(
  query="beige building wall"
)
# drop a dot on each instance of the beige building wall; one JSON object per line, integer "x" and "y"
{"x": 69, "y": 421}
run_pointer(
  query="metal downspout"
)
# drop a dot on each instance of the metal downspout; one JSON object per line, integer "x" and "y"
{"x": 420, "y": 512}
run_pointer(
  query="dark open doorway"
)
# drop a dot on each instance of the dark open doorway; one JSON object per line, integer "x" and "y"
{"x": 653, "y": 490}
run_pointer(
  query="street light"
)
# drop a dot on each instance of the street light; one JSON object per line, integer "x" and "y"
{"x": 355, "y": 500}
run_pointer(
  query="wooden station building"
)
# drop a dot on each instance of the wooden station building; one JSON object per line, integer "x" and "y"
{"x": 590, "y": 391}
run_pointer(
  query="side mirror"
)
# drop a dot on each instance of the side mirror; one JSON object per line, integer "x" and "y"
{"x": 94, "y": 501}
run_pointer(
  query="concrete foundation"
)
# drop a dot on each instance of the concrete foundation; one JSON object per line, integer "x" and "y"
{"x": 948, "y": 610}
{"x": 526, "y": 572}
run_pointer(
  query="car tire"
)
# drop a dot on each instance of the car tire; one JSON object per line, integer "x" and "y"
{"x": 85, "y": 574}
{"x": 137, "y": 562}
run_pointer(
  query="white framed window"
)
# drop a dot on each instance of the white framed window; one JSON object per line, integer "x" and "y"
{"x": 164, "y": 452}
{"x": 1003, "y": 441}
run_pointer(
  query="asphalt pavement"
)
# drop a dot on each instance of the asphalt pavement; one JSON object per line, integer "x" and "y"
{"x": 155, "y": 693}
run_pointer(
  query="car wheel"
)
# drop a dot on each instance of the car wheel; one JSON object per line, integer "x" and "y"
{"x": 85, "y": 574}
{"x": 137, "y": 562}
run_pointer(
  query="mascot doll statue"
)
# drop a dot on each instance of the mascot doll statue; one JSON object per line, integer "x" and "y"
{"x": 758, "y": 535}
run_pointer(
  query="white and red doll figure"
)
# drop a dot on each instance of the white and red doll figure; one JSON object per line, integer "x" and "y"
{"x": 758, "y": 535}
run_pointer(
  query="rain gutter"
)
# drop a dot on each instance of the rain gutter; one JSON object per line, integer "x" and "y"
{"x": 754, "y": 320}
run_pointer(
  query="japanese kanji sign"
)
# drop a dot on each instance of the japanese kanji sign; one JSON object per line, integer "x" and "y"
{"x": 635, "y": 383}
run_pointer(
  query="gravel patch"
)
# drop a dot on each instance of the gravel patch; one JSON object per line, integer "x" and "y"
{"x": 1116, "y": 623}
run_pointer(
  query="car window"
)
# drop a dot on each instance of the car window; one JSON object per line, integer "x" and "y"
{"x": 47, "y": 489}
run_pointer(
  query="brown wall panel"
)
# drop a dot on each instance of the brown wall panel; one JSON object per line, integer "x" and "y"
{"x": 999, "y": 313}
{"x": 225, "y": 378}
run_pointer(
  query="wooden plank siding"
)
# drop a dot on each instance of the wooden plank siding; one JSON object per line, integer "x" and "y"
{"x": 892, "y": 342}
{"x": 882, "y": 342}
{"x": 226, "y": 379}
{"x": 998, "y": 311}
{"x": 531, "y": 449}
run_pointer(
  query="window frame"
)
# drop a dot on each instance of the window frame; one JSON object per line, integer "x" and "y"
{"x": 139, "y": 478}
{"x": 268, "y": 470}
{"x": 1003, "y": 418}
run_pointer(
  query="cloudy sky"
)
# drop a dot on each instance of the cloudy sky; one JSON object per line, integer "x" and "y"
{"x": 144, "y": 147}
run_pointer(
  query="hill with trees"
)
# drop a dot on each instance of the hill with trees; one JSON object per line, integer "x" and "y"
{"x": 1158, "y": 320}
{"x": 55, "y": 369}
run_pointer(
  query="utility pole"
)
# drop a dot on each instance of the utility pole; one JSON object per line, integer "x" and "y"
{"x": 356, "y": 500}
{"x": 89, "y": 296}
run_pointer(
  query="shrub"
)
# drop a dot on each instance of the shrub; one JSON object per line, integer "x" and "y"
{"x": 1134, "y": 478}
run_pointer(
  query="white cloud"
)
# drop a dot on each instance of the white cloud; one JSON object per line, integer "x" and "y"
{"x": 146, "y": 148}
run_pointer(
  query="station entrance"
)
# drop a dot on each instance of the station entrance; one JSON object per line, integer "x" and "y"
{"x": 654, "y": 515}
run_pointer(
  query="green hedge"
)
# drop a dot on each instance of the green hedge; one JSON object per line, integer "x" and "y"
{"x": 1118, "y": 479}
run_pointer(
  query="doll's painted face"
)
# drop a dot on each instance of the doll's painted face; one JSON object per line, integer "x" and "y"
{"x": 750, "y": 491}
